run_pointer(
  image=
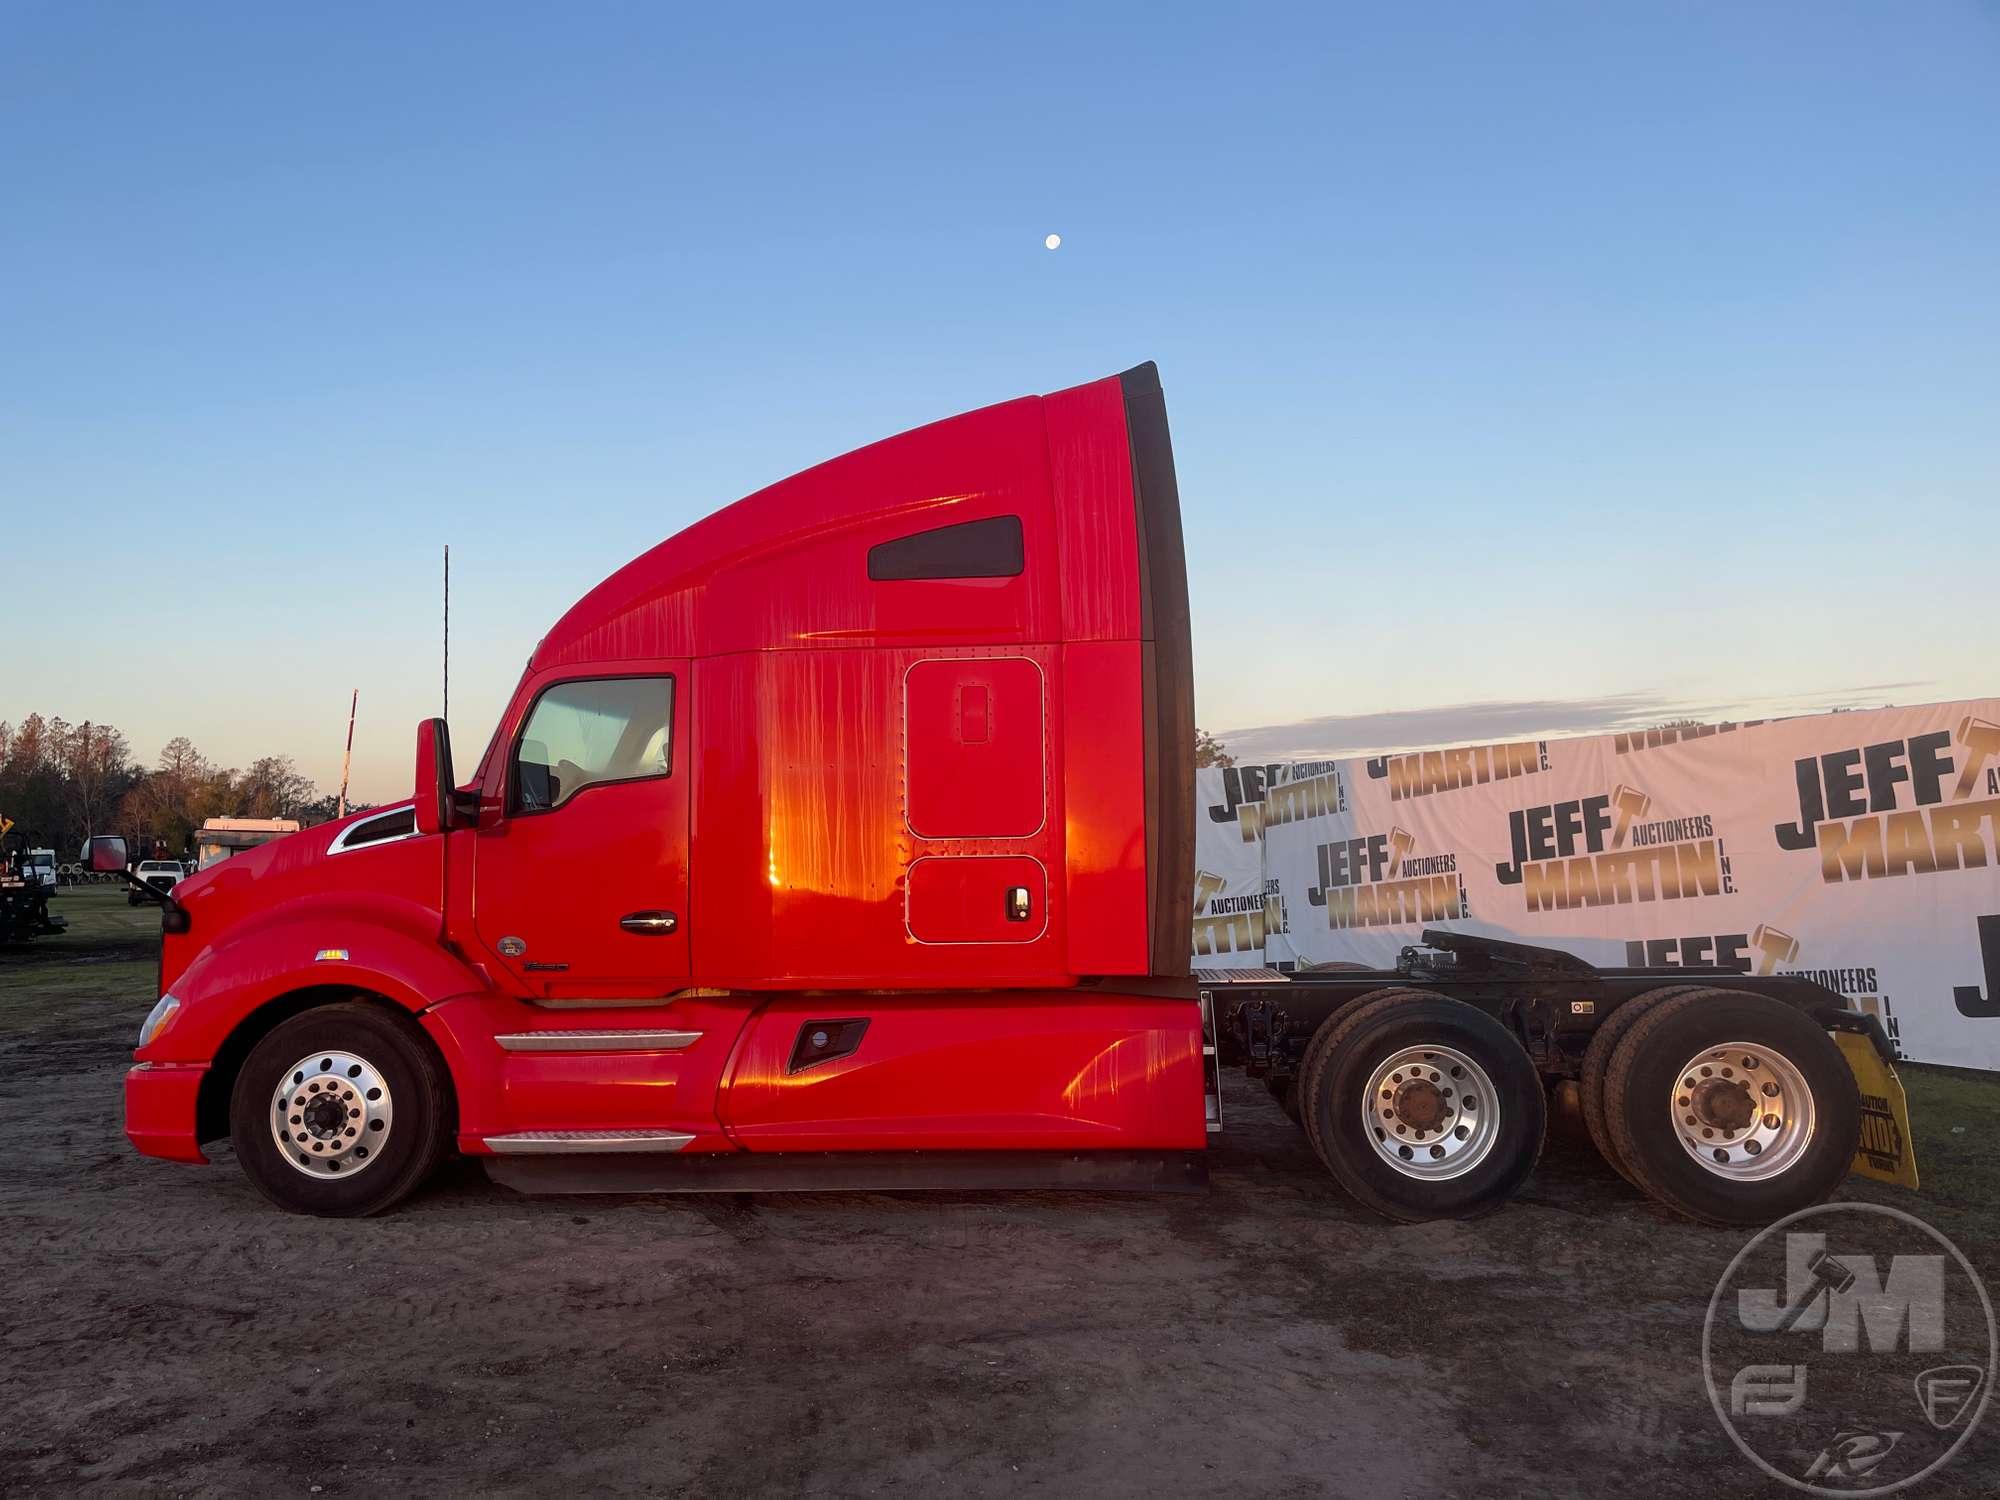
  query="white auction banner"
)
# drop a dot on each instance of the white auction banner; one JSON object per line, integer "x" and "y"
{"x": 1860, "y": 849}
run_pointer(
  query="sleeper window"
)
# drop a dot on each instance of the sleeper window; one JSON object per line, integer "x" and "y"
{"x": 594, "y": 730}
{"x": 971, "y": 549}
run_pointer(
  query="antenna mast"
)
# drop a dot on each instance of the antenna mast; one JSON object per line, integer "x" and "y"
{"x": 446, "y": 715}
{"x": 347, "y": 756}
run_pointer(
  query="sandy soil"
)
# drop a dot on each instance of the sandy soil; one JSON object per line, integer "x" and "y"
{"x": 167, "y": 1331}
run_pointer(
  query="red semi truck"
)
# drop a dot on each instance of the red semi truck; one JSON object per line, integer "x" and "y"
{"x": 845, "y": 840}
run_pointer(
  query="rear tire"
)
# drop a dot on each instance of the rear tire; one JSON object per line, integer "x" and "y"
{"x": 1597, "y": 1060}
{"x": 1423, "y": 1107}
{"x": 341, "y": 1111}
{"x": 1732, "y": 1108}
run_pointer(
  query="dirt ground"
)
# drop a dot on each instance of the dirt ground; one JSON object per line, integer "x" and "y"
{"x": 167, "y": 1331}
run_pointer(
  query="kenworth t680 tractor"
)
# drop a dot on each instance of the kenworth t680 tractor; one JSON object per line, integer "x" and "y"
{"x": 845, "y": 839}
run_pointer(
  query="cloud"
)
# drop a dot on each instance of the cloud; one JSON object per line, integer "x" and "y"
{"x": 1331, "y": 735}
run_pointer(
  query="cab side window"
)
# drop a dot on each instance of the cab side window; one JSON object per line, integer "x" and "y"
{"x": 590, "y": 731}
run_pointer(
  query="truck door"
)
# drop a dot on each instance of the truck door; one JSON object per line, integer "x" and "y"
{"x": 580, "y": 885}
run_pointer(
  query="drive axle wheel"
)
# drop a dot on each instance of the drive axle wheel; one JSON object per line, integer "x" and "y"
{"x": 1423, "y": 1107}
{"x": 342, "y": 1110}
{"x": 1597, "y": 1060}
{"x": 1732, "y": 1108}
{"x": 1743, "y": 1111}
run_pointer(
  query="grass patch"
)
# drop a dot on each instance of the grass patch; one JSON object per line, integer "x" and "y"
{"x": 103, "y": 971}
{"x": 98, "y": 914}
{"x": 1955, "y": 1120}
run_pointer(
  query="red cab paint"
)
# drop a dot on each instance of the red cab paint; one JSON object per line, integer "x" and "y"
{"x": 895, "y": 754}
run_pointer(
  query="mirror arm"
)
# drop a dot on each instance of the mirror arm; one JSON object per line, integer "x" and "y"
{"x": 174, "y": 916}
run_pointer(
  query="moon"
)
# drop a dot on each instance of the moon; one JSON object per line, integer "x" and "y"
{"x": 1053, "y": 242}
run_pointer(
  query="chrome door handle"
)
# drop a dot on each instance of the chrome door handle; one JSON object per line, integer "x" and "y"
{"x": 651, "y": 923}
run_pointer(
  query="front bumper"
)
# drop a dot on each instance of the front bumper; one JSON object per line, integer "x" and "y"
{"x": 160, "y": 1109}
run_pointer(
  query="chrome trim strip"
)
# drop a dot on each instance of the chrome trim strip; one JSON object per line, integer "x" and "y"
{"x": 341, "y": 844}
{"x": 594, "y": 1002}
{"x": 561, "y": 1142}
{"x": 597, "y": 1041}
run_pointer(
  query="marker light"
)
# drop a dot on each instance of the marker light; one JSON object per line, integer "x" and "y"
{"x": 158, "y": 1020}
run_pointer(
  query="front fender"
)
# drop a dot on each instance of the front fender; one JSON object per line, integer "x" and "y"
{"x": 380, "y": 944}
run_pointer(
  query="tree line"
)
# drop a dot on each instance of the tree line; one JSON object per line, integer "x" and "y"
{"x": 61, "y": 782}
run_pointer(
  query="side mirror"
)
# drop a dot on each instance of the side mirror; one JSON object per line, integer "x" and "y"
{"x": 103, "y": 855}
{"x": 434, "y": 778}
{"x": 535, "y": 783}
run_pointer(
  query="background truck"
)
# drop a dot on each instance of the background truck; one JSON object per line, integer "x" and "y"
{"x": 27, "y": 880}
{"x": 846, "y": 839}
{"x": 160, "y": 874}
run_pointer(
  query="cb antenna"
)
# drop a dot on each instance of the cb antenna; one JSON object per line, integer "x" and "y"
{"x": 447, "y": 633}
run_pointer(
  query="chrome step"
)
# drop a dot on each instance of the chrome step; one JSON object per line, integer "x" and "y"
{"x": 647, "y": 1040}
{"x": 562, "y": 1142}
{"x": 1211, "y": 1068}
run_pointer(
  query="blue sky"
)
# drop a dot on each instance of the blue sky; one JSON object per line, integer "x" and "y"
{"x": 1576, "y": 363}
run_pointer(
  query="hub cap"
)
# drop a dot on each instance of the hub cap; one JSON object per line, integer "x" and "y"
{"x": 331, "y": 1114}
{"x": 1431, "y": 1112}
{"x": 1743, "y": 1111}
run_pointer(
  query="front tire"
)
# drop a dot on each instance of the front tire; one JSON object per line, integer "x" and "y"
{"x": 341, "y": 1111}
{"x": 1423, "y": 1107}
{"x": 1732, "y": 1108}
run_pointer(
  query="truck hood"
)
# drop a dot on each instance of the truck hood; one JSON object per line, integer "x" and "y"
{"x": 319, "y": 865}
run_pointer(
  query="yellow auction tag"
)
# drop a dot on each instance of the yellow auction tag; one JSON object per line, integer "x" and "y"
{"x": 1885, "y": 1152}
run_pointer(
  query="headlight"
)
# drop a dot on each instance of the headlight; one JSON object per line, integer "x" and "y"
{"x": 158, "y": 1020}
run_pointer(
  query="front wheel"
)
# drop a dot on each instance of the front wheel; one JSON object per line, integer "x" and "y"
{"x": 341, "y": 1111}
{"x": 1423, "y": 1107}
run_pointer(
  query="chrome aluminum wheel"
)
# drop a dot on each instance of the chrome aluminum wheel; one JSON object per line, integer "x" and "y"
{"x": 331, "y": 1114}
{"x": 1743, "y": 1111}
{"x": 1432, "y": 1112}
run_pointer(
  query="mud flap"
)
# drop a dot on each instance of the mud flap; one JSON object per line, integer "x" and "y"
{"x": 1886, "y": 1153}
